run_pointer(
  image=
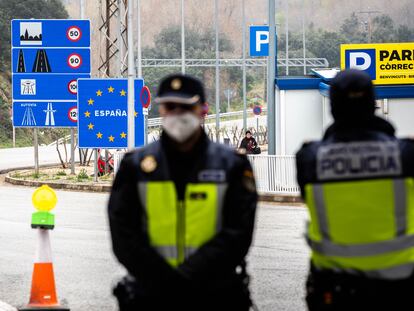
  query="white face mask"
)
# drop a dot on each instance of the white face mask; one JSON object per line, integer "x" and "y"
{"x": 180, "y": 127}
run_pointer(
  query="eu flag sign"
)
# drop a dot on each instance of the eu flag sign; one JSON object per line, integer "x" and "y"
{"x": 103, "y": 113}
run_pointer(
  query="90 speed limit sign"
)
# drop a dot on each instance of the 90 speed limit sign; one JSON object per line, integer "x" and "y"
{"x": 73, "y": 114}
{"x": 74, "y": 61}
{"x": 74, "y": 33}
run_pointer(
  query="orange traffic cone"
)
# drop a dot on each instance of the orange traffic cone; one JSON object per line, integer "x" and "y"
{"x": 43, "y": 294}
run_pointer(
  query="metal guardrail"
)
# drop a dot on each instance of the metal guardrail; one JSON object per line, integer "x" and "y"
{"x": 156, "y": 122}
{"x": 234, "y": 62}
{"x": 274, "y": 174}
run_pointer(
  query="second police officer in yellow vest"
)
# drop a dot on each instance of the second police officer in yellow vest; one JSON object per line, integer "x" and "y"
{"x": 358, "y": 183}
{"x": 182, "y": 213}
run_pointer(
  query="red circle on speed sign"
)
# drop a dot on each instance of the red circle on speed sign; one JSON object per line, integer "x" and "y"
{"x": 74, "y": 61}
{"x": 74, "y": 33}
{"x": 73, "y": 87}
{"x": 145, "y": 97}
{"x": 73, "y": 114}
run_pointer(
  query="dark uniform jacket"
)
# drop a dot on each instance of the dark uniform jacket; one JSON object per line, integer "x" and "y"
{"x": 208, "y": 278}
{"x": 354, "y": 291}
{"x": 376, "y": 129}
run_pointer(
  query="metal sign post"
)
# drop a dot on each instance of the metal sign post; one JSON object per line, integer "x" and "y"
{"x": 36, "y": 151}
{"x": 271, "y": 76}
{"x": 131, "y": 76}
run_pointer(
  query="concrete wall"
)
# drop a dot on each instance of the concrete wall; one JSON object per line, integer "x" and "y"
{"x": 301, "y": 118}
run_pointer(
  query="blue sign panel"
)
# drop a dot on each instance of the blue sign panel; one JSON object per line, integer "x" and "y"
{"x": 30, "y": 87}
{"x": 103, "y": 113}
{"x": 44, "y": 114}
{"x": 30, "y": 60}
{"x": 259, "y": 41}
{"x": 48, "y": 56}
{"x": 51, "y": 33}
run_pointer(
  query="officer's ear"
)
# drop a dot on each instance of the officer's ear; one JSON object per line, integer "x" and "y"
{"x": 162, "y": 111}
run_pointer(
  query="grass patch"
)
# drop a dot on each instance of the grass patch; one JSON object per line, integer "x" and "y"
{"x": 83, "y": 175}
{"x": 61, "y": 173}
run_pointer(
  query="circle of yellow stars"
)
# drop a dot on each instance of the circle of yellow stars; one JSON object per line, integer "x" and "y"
{"x": 87, "y": 114}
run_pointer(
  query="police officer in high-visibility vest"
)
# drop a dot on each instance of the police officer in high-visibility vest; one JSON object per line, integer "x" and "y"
{"x": 358, "y": 184}
{"x": 182, "y": 213}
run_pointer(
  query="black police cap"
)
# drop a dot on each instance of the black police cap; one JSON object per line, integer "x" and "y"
{"x": 180, "y": 89}
{"x": 352, "y": 95}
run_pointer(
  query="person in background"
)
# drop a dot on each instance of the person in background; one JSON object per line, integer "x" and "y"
{"x": 182, "y": 213}
{"x": 248, "y": 143}
{"x": 358, "y": 185}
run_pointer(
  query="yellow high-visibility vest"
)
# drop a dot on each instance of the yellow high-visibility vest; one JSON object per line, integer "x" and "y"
{"x": 176, "y": 228}
{"x": 365, "y": 226}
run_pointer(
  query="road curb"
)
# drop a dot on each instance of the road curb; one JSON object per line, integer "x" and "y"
{"x": 61, "y": 186}
{"x": 5, "y": 307}
{"x": 263, "y": 197}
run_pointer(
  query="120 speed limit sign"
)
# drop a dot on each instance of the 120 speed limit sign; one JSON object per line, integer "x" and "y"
{"x": 74, "y": 61}
{"x": 73, "y": 114}
{"x": 74, "y": 33}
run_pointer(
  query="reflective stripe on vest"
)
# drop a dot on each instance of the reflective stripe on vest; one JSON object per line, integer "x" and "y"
{"x": 177, "y": 229}
{"x": 363, "y": 225}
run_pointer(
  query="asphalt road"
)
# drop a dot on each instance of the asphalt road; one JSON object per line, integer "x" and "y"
{"x": 85, "y": 268}
{"x": 23, "y": 157}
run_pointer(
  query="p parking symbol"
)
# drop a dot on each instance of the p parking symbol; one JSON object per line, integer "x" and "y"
{"x": 364, "y": 60}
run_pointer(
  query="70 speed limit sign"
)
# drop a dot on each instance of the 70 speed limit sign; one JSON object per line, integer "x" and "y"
{"x": 74, "y": 33}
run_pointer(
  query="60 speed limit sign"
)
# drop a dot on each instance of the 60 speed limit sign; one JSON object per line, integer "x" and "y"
{"x": 73, "y": 114}
{"x": 74, "y": 61}
{"x": 74, "y": 33}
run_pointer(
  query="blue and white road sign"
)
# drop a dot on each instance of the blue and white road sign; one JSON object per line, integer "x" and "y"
{"x": 34, "y": 87}
{"x": 103, "y": 113}
{"x": 45, "y": 114}
{"x": 259, "y": 41}
{"x": 55, "y": 60}
{"x": 48, "y": 56}
{"x": 51, "y": 33}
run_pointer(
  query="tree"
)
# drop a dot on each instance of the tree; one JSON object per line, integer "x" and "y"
{"x": 199, "y": 45}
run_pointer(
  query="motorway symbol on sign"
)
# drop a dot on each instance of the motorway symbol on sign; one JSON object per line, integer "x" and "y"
{"x": 50, "y": 115}
{"x": 41, "y": 63}
{"x": 103, "y": 113}
{"x": 28, "y": 87}
{"x": 54, "y": 60}
{"x": 44, "y": 114}
{"x": 38, "y": 87}
{"x": 21, "y": 67}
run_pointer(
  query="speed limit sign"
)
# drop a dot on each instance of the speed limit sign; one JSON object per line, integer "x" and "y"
{"x": 73, "y": 87}
{"x": 74, "y": 33}
{"x": 74, "y": 61}
{"x": 73, "y": 114}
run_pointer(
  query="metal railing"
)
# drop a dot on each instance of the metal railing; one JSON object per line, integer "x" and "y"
{"x": 156, "y": 122}
{"x": 274, "y": 174}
